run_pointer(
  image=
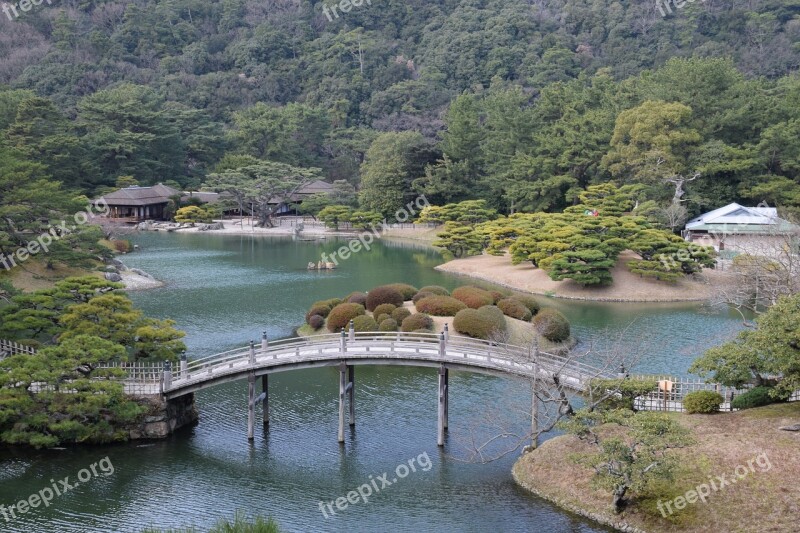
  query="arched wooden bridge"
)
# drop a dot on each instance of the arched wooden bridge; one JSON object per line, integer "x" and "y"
{"x": 346, "y": 350}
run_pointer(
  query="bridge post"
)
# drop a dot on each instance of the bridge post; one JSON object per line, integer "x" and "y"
{"x": 265, "y": 401}
{"x": 343, "y": 343}
{"x": 446, "y": 333}
{"x": 534, "y": 399}
{"x": 351, "y": 392}
{"x": 352, "y": 335}
{"x": 442, "y": 400}
{"x": 252, "y": 353}
{"x": 446, "y": 397}
{"x": 251, "y": 406}
{"x": 442, "y": 345}
{"x": 167, "y": 376}
{"x": 342, "y": 388}
{"x": 184, "y": 366}
{"x": 264, "y": 343}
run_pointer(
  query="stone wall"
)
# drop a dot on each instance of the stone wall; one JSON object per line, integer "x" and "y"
{"x": 164, "y": 417}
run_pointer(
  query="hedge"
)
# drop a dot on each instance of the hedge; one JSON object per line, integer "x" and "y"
{"x": 435, "y": 289}
{"x": 528, "y": 301}
{"x": 316, "y": 321}
{"x": 384, "y": 309}
{"x": 390, "y": 324}
{"x": 514, "y": 309}
{"x": 552, "y": 325}
{"x": 408, "y": 291}
{"x": 420, "y": 295}
{"x": 320, "y": 310}
{"x": 702, "y": 401}
{"x": 364, "y": 323}
{"x": 416, "y": 322}
{"x": 483, "y": 323}
{"x": 341, "y": 315}
{"x": 357, "y": 298}
{"x": 440, "y": 305}
{"x": 400, "y": 314}
{"x": 473, "y": 297}
{"x": 756, "y": 397}
{"x": 383, "y": 295}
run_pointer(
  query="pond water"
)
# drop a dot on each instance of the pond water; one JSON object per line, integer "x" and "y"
{"x": 224, "y": 291}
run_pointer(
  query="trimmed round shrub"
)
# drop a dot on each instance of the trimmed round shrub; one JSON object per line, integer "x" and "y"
{"x": 408, "y": 291}
{"x": 341, "y": 315}
{"x": 514, "y": 309}
{"x": 435, "y": 289}
{"x": 440, "y": 305}
{"x": 552, "y": 325}
{"x": 755, "y": 397}
{"x": 330, "y": 303}
{"x": 390, "y": 324}
{"x": 497, "y": 295}
{"x": 318, "y": 310}
{"x": 364, "y": 323}
{"x": 528, "y": 301}
{"x": 483, "y": 323}
{"x": 381, "y": 317}
{"x": 400, "y": 314}
{"x": 383, "y": 295}
{"x": 421, "y": 295}
{"x": 473, "y": 297}
{"x": 384, "y": 309}
{"x": 417, "y": 322}
{"x": 702, "y": 401}
{"x": 357, "y": 298}
{"x": 316, "y": 321}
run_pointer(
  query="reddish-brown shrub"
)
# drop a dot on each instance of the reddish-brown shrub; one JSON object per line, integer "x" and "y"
{"x": 383, "y": 295}
{"x": 417, "y": 321}
{"x": 341, "y": 315}
{"x": 528, "y": 301}
{"x": 514, "y": 309}
{"x": 320, "y": 310}
{"x": 316, "y": 321}
{"x": 497, "y": 295}
{"x": 420, "y": 295}
{"x": 357, "y": 298}
{"x": 408, "y": 291}
{"x": 474, "y": 297}
{"x": 440, "y": 305}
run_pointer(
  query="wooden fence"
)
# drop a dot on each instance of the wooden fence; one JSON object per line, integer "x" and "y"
{"x": 9, "y": 348}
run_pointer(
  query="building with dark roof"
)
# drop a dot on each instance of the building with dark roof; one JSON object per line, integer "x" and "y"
{"x": 139, "y": 203}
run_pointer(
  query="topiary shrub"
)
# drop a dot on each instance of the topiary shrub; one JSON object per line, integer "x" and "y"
{"x": 316, "y": 321}
{"x": 756, "y": 397}
{"x": 400, "y": 314}
{"x": 330, "y": 303}
{"x": 497, "y": 295}
{"x": 320, "y": 310}
{"x": 416, "y": 322}
{"x": 514, "y": 309}
{"x": 390, "y": 324}
{"x": 341, "y": 315}
{"x": 380, "y": 318}
{"x": 702, "y": 401}
{"x": 357, "y": 298}
{"x": 408, "y": 291}
{"x": 364, "y": 323}
{"x": 435, "y": 289}
{"x": 383, "y": 295}
{"x": 552, "y": 325}
{"x": 384, "y": 309}
{"x": 420, "y": 295}
{"x": 528, "y": 301}
{"x": 483, "y": 323}
{"x": 473, "y": 297}
{"x": 440, "y": 305}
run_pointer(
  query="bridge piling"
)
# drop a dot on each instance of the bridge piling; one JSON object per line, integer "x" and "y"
{"x": 351, "y": 392}
{"x": 446, "y": 397}
{"x": 265, "y": 401}
{"x": 251, "y": 406}
{"x": 442, "y": 400}
{"x": 342, "y": 389}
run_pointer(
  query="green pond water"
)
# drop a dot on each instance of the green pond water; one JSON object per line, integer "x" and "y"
{"x": 224, "y": 291}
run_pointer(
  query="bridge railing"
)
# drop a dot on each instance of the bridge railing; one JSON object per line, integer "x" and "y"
{"x": 9, "y": 348}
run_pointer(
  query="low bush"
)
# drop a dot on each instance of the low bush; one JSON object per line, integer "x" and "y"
{"x": 756, "y": 397}
{"x": 400, "y": 314}
{"x": 384, "y": 309}
{"x": 473, "y": 297}
{"x": 341, "y": 315}
{"x": 702, "y": 401}
{"x": 357, "y": 298}
{"x": 552, "y": 325}
{"x": 408, "y": 291}
{"x": 435, "y": 289}
{"x": 420, "y": 295}
{"x": 497, "y": 295}
{"x": 514, "y": 309}
{"x": 528, "y": 301}
{"x": 330, "y": 303}
{"x": 384, "y": 295}
{"x": 316, "y": 321}
{"x": 364, "y": 323}
{"x": 440, "y": 305}
{"x": 417, "y": 322}
{"x": 122, "y": 246}
{"x": 483, "y": 323}
{"x": 319, "y": 310}
{"x": 380, "y": 318}
{"x": 390, "y": 324}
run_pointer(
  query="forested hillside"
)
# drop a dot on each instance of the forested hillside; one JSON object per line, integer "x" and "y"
{"x": 520, "y": 102}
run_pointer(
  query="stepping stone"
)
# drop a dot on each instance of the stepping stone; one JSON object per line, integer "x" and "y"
{"x": 795, "y": 427}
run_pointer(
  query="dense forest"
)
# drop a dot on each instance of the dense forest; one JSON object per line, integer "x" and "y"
{"x": 522, "y": 103}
